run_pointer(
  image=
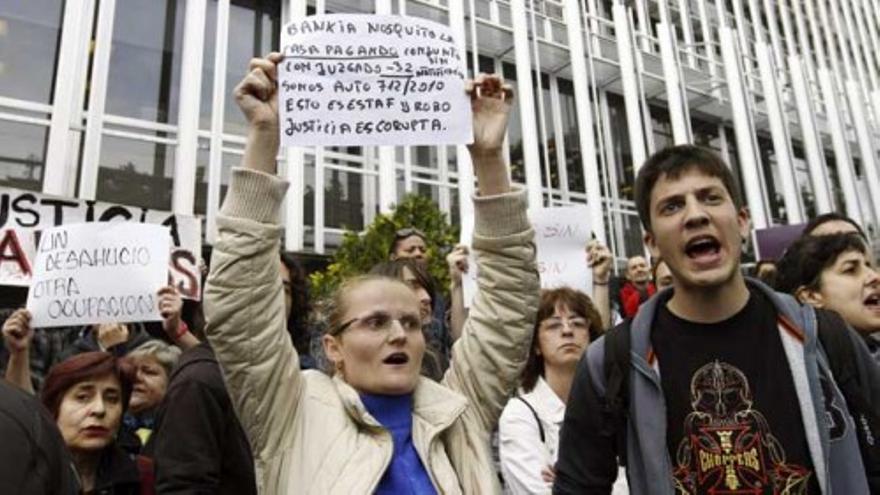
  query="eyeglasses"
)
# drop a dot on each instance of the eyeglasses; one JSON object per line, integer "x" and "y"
{"x": 409, "y": 232}
{"x": 556, "y": 324}
{"x": 381, "y": 321}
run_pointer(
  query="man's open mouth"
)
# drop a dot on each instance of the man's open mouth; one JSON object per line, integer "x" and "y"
{"x": 699, "y": 247}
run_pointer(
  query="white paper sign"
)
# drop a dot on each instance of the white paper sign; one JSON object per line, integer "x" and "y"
{"x": 561, "y": 236}
{"x": 98, "y": 273}
{"x": 469, "y": 279}
{"x": 24, "y": 215}
{"x": 351, "y": 79}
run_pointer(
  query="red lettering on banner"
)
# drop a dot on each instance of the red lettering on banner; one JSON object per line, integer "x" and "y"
{"x": 10, "y": 250}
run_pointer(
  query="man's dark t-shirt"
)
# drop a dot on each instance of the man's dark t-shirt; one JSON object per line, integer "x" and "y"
{"x": 733, "y": 420}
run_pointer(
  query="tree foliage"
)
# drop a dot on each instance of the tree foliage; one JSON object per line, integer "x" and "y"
{"x": 360, "y": 251}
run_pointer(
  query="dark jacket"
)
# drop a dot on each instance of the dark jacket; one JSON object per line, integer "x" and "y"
{"x": 33, "y": 459}
{"x": 198, "y": 444}
{"x": 121, "y": 473}
{"x": 837, "y": 464}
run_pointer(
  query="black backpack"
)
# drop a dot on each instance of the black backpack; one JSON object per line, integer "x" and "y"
{"x": 836, "y": 346}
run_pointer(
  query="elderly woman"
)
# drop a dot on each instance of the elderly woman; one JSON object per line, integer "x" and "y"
{"x": 87, "y": 395}
{"x": 376, "y": 425}
{"x": 152, "y": 362}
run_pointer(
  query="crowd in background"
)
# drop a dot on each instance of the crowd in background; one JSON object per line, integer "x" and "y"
{"x": 686, "y": 375}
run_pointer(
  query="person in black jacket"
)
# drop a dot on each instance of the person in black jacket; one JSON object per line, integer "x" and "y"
{"x": 33, "y": 460}
{"x": 198, "y": 445}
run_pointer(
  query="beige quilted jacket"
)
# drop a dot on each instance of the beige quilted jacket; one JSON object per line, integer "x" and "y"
{"x": 310, "y": 433}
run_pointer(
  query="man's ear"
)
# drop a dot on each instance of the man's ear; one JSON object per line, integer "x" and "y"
{"x": 651, "y": 242}
{"x": 810, "y": 296}
{"x": 745, "y": 223}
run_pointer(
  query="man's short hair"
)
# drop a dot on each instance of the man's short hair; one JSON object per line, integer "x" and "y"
{"x": 671, "y": 163}
{"x": 831, "y": 217}
{"x": 807, "y": 257}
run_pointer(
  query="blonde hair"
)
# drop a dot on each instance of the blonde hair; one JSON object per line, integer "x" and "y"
{"x": 166, "y": 354}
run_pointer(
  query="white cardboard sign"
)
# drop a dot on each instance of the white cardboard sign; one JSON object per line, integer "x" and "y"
{"x": 98, "y": 273}
{"x": 354, "y": 79}
{"x": 561, "y": 237}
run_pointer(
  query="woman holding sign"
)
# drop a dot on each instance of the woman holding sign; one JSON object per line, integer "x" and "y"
{"x": 375, "y": 426}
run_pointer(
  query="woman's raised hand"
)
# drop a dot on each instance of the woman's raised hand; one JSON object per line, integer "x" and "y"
{"x": 257, "y": 93}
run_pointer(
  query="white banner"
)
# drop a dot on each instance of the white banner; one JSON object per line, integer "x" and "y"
{"x": 353, "y": 79}
{"x": 98, "y": 273}
{"x": 24, "y": 215}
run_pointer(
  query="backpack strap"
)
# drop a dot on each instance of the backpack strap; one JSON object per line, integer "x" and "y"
{"x": 615, "y": 409}
{"x": 535, "y": 414}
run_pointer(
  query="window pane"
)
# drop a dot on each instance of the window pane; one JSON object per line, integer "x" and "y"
{"x": 29, "y": 36}
{"x": 22, "y": 155}
{"x": 344, "y": 199}
{"x": 254, "y": 30}
{"x": 136, "y": 173}
{"x": 621, "y": 152}
{"x": 572, "y": 139}
{"x": 145, "y": 60}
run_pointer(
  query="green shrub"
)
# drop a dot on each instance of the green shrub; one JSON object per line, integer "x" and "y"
{"x": 359, "y": 252}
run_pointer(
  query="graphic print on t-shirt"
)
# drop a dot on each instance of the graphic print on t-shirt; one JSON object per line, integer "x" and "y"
{"x": 727, "y": 447}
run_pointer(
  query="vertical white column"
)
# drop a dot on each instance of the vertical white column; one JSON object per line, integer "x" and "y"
{"x": 184, "y": 190}
{"x": 747, "y": 151}
{"x": 828, "y": 86}
{"x": 586, "y": 138}
{"x": 708, "y": 41}
{"x": 687, "y": 30}
{"x": 775, "y": 37}
{"x": 559, "y": 138}
{"x": 866, "y": 145}
{"x": 675, "y": 91}
{"x": 812, "y": 142}
{"x": 842, "y": 156}
{"x": 644, "y": 25}
{"x": 218, "y": 117}
{"x": 294, "y": 161}
{"x": 779, "y": 132}
{"x": 58, "y": 178}
{"x": 628, "y": 77}
{"x": 88, "y": 177}
{"x": 526, "y": 101}
{"x": 462, "y": 157}
{"x": 79, "y": 83}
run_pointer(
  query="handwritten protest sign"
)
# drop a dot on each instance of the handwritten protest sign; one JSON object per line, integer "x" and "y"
{"x": 98, "y": 273}
{"x": 561, "y": 237}
{"x": 25, "y": 214}
{"x": 350, "y": 79}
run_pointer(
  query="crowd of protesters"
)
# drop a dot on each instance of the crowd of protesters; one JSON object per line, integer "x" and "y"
{"x": 689, "y": 378}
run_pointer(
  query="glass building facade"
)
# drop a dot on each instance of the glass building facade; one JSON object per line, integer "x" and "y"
{"x": 129, "y": 101}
